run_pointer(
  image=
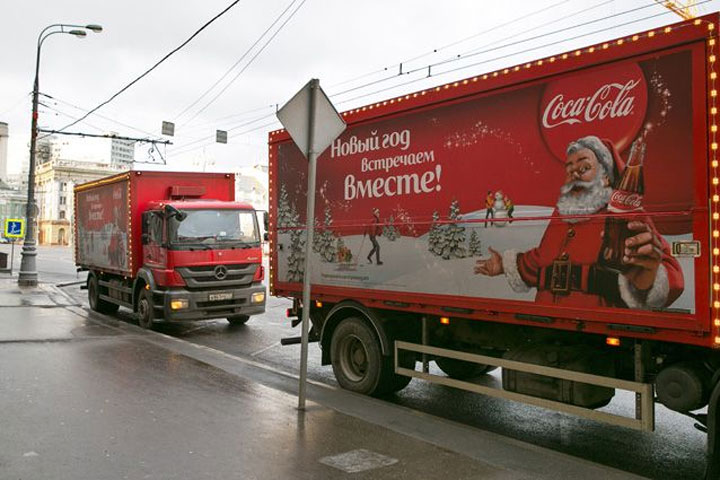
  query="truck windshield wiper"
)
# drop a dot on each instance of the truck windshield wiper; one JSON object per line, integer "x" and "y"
{"x": 200, "y": 246}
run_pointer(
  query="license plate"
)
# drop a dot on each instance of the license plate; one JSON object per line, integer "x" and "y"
{"x": 214, "y": 297}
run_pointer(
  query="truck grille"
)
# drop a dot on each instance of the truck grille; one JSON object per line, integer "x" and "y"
{"x": 236, "y": 275}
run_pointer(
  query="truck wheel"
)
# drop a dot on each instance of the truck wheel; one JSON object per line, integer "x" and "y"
{"x": 238, "y": 319}
{"x": 358, "y": 362}
{"x": 145, "y": 309}
{"x": 96, "y": 303}
{"x": 460, "y": 369}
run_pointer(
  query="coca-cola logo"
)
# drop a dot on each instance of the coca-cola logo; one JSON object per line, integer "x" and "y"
{"x": 620, "y": 200}
{"x": 609, "y": 102}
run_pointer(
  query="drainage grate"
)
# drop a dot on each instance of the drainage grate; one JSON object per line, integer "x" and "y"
{"x": 358, "y": 460}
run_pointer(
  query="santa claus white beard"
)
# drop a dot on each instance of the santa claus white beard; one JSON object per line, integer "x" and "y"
{"x": 592, "y": 198}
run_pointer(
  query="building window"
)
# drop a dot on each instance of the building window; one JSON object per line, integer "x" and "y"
{"x": 62, "y": 214}
{"x": 62, "y": 200}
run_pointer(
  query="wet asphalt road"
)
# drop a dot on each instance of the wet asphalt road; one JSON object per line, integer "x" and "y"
{"x": 674, "y": 451}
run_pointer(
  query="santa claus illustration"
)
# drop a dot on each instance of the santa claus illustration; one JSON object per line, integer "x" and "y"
{"x": 564, "y": 267}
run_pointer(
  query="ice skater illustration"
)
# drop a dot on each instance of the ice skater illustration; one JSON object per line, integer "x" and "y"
{"x": 374, "y": 231}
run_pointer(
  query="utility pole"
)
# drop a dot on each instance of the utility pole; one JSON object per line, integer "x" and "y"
{"x": 28, "y": 276}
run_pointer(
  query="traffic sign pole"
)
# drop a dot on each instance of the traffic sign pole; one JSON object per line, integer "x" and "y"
{"x": 313, "y": 124}
{"x": 12, "y": 255}
{"x": 310, "y": 222}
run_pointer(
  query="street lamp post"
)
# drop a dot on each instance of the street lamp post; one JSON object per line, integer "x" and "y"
{"x": 28, "y": 276}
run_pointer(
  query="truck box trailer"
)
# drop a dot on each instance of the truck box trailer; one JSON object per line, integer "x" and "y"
{"x": 558, "y": 218}
{"x": 171, "y": 246}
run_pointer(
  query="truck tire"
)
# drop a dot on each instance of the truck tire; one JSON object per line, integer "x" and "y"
{"x": 96, "y": 303}
{"x": 358, "y": 362}
{"x": 461, "y": 370}
{"x": 238, "y": 319}
{"x": 145, "y": 309}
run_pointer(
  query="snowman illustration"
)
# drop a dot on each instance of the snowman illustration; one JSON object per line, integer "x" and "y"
{"x": 500, "y": 209}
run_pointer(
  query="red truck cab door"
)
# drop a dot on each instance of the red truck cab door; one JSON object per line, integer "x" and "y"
{"x": 154, "y": 238}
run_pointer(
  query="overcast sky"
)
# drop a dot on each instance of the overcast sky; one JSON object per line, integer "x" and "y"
{"x": 346, "y": 44}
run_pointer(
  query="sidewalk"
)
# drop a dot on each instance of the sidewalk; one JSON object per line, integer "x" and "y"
{"x": 83, "y": 397}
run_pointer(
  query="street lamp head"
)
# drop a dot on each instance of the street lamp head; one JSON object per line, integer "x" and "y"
{"x": 78, "y": 33}
{"x": 94, "y": 27}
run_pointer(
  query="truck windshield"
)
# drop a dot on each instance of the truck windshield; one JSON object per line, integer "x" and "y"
{"x": 209, "y": 227}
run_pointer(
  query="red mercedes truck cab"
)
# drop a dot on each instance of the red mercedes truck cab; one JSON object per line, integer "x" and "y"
{"x": 170, "y": 246}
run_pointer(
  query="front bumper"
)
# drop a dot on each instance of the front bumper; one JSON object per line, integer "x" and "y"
{"x": 201, "y": 306}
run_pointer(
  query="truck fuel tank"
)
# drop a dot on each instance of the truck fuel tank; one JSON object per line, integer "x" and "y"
{"x": 579, "y": 358}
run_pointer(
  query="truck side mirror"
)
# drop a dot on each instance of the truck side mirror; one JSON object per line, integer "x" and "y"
{"x": 266, "y": 221}
{"x": 178, "y": 214}
{"x": 266, "y": 236}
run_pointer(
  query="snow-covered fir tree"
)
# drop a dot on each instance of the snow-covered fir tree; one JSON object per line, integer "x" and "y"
{"x": 326, "y": 239}
{"x": 454, "y": 235}
{"x": 435, "y": 236}
{"x": 390, "y": 231}
{"x": 284, "y": 210}
{"x": 317, "y": 236}
{"x": 296, "y": 259}
{"x": 475, "y": 247}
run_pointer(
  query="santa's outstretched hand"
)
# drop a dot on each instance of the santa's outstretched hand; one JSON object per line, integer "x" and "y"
{"x": 492, "y": 266}
{"x": 643, "y": 255}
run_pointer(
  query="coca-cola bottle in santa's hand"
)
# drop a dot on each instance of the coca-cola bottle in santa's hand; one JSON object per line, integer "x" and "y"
{"x": 626, "y": 197}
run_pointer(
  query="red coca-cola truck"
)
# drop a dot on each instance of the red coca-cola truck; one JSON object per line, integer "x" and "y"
{"x": 171, "y": 246}
{"x": 498, "y": 221}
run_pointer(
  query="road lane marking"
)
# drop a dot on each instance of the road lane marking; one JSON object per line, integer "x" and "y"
{"x": 263, "y": 350}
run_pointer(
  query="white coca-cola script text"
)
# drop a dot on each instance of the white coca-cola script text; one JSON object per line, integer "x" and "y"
{"x": 610, "y": 100}
{"x": 625, "y": 201}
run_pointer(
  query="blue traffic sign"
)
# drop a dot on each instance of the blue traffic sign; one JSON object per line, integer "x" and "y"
{"x": 14, "y": 228}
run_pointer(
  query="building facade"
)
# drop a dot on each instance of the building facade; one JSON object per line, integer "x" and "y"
{"x": 122, "y": 153}
{"x": 4, "y": 135}
{"x": 54, "y": 183}
{"x": 12, "y": 203}
{"x": 251, "y": 186}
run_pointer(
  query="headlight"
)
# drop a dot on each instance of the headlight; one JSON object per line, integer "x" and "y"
{"x": 179, "y": 303}
{"x": 258, "y": 297}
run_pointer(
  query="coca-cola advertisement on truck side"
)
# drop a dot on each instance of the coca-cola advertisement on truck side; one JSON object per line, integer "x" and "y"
{"x": 566, "y": 191}
{"x": 102, "y": 227}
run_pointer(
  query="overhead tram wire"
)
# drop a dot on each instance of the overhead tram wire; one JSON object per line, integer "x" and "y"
{"x": 465, "y": 54}
{"x": 157, "y": 64}
{"x": 502, "y": 57}
{"x": 538, "y": 27}
{"x": 562, "y": 30}
{"x": 100, "y": 116}
{"x": 511, "y": 44}
{"x": 613, "y": 27}
{"x": 460, "y": 41}
{"x": 468, "y": 66}
{"x": 64, "y": 114}
{"x": 245, "y": 132}
{"x": 211, "y": 137}
{"x": 180, "y": 148}
{"x": 16, "y": 104}
{"x": 229, "y": 70}
{"x": 457, "y": 42}
{"x": 217, "y": 121}
{"x": 292, "y": 14}
{"x": 474, "y": 36}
